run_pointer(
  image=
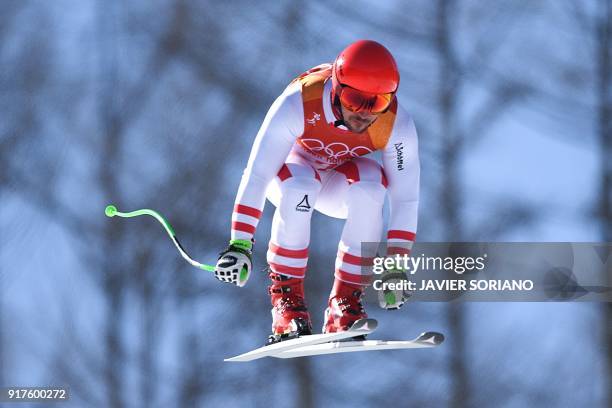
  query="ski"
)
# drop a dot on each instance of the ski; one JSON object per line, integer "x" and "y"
{"x": 360, "y": 328}
{"x": 425, "y": 340}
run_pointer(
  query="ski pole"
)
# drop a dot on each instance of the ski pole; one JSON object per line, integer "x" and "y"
{"x": 112, "y": 211}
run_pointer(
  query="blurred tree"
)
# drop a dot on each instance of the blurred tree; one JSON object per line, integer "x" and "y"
{"x": 596, "y": 26}
{"x": 577, "y": 94}
{"x": 602, "y": 34}
{"x": 23, "y": 82}
{"x": 112, "y": 127}
{"x": 461, "y": 65}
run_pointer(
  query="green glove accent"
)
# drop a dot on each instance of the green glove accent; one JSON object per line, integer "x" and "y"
{"x": 390, "y": 298}
{"x": 242, "y": 244}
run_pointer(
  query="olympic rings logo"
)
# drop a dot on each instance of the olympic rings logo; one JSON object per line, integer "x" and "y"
{"x": 335, "y": 150}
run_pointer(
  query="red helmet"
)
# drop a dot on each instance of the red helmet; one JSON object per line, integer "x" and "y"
{"x": 367, "y": 66}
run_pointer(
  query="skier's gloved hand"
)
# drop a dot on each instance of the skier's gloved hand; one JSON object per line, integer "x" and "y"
{"x": 392, "y": 299}
{"x": 234, "y": 264}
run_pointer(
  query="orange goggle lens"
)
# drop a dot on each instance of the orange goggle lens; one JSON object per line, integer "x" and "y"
{"x": 357, "y": 101}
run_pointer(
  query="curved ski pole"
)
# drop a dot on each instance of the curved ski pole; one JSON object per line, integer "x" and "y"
{"x": 112, "y": 211}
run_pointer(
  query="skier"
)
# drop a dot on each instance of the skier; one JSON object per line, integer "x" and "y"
{"x": 308, "y": 155}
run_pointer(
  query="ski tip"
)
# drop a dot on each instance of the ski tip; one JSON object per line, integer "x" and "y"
{"x": 430, "y": 338}
{"x": 238, "y": 359}
{"x": 368, "y": 325}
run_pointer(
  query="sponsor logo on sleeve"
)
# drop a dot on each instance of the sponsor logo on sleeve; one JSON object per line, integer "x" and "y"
{"x": 399, "y": 150}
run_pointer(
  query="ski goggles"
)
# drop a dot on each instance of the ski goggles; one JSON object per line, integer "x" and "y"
{"x": 358, "y": 101}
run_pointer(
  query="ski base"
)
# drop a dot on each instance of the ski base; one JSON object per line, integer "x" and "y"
{"x": 361, "y": 327}
{"x": 425, "y": 340}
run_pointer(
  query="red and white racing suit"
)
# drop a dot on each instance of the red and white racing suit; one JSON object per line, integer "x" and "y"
{"x": 301, "y": 163}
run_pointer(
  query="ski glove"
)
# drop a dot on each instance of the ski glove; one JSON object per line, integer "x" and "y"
{"x": 392, "y": 299}
{"x": 234, "y": 264}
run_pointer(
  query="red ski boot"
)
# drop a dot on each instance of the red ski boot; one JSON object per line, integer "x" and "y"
{"x": 290, "y": 316}
{"x": 344, "y": 307}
